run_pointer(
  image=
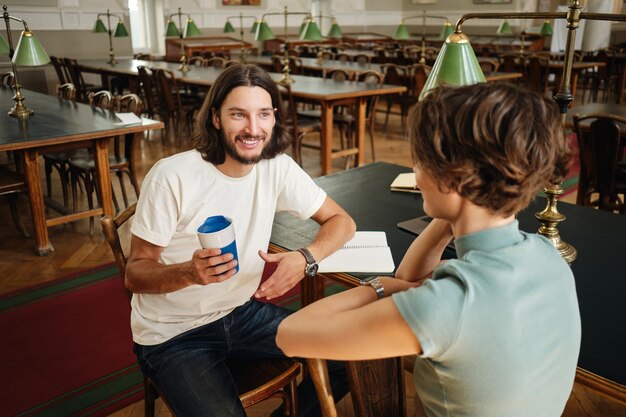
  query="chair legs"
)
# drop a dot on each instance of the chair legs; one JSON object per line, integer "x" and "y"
{"x": 15, "y": 214}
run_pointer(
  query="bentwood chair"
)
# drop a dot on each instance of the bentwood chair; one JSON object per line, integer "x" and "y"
{"x": 256, "y": 380}
{"x": 602, "y": 168}
{"x": 12, "y": 184}
{"x": 299, "y": 126}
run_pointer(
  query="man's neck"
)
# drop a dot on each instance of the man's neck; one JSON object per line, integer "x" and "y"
{"x": 234, "y": 169}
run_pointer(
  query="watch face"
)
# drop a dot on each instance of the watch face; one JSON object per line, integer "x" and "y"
{"x": 311, "y": 269}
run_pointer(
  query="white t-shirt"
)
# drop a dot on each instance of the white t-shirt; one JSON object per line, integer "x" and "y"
{"x": 177, "y": 195}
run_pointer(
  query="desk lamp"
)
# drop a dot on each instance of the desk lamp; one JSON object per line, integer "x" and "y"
{"x": 402, "y": 33}
{"x": 120, "y": 31}
{"x": 310, "y": 32}
{"x": 172, "y": 30}
{"x": 228, "y": 28}
{"x": 334, "y": 33}
{"x": 28, "y": 52}
{"x": 457, "y": 65}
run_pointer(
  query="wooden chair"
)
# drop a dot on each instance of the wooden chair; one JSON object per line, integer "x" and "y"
{"x": 256, "y": 380}
{"x": 602, "y": 169}
{"x": 82, "y": 88}
{"x": 397, "y": 75}
{"x": 197, "y": 61}
{"x": 172, "y": 107}
{"x": 343, "y": 57}
{"x": 7, "y": 79}
{"x": 12, "y": 185}
{"x": 61, "y": 70}
{"x": 362, "y": 59}
{"x": 59, "y": 161}
{"x": 389, "y": 389}
{"x": 537, "y": 73}
{"x": 216, "y": 62}
{"x": 149, "y": 91}
{"x": 488, "y": 65}
{"x": 300, "y": 126}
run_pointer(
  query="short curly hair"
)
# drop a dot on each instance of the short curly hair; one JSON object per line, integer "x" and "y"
{"x": 495, "y": 144}
{"x": 207, "y": 137}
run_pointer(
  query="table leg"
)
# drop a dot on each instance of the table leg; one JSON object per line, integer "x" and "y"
{"x": 103, "y": 175}
{"x": 35, "y": 195}
{"x": 360, "y": 131}
{"x": 326, "y": 139}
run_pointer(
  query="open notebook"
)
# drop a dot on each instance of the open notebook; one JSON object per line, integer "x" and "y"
{"x": 366, "y": 252}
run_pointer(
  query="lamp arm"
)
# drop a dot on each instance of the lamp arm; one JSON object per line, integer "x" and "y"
{"x": 520, "y": 15}
{"x": 404, "y": 19}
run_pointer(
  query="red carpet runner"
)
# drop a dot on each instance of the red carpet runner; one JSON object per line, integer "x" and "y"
{"x": 67, "y": 347}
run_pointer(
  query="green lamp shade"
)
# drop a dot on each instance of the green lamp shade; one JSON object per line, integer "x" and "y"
{"x": 335, "y": 31}
{"x": 263, "y": 32}
{"x": 504, "y": 28}
{"x": 311, "y": 32}
{"x": 29, "y": 52}
{"x": 191, "y": 29}
{"x": 446, "y": 31}
{"x": 401, "y": 32}
{"x": 171, "y": 30}
{"x": 546, "y": 28}
{"x": 120, "y": 30}
{"x": 254, "y": 26}
{"x": 228, "y": 27}
{"x": 456, "y": 64}
{"x": 4, "y": 47}
{"x": 99, "y": 27}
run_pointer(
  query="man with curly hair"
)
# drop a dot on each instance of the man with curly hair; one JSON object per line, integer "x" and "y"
{"x": 497, "y": 330}
{"x": 191, "y": 309}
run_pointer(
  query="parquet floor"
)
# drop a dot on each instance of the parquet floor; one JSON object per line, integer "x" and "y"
{"x": 75, "y": 250}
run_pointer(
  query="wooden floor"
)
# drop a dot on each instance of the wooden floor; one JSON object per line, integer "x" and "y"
{"x": 75, "y": 250}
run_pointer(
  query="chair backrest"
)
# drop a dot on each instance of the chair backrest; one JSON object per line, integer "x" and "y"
{"x": 511, "y": 62}
{"x": 76, "y": 78}
{"x": 599, "y": 152}
{"x": 149, "y": 90}
{"x": 343, "y": 57}
{"x": 66, "y": 91}
{"x": 231, "y": 62}
{"x": 197, "y": 61}
{"x": 488, "y": 65}
{"x": 362, "y": 59}
{"x": 327, "y": 55}
{"x": 7, "y": 79}
{"x": 537, "y": 72}
{"x": 295, "y": 65}
{"x": 216, "y": 62}
{"x": 128, "y": 103}
{"x": 61, "y": 70}
{"x": 418, "y": 75}
{"x": 102, "y": 99}
{"x": 143, "y": 57}
{"x": 338, "y": 75}
{"x": 394, "y": 74}
{"x": 117, "y": 234}
{"x": 291, "y": 109}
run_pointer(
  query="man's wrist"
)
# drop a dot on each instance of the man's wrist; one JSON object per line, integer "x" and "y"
{"x": 311, "y": 267}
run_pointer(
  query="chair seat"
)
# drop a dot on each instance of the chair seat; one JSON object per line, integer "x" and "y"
{"x": 259, "y": 379}
{"x": 86, "y": 163}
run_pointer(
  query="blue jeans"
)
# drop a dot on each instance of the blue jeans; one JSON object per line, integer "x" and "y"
{"x": 191, "y": 372}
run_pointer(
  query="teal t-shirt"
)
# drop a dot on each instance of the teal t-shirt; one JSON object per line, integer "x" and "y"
{"x": 499, "y": 328}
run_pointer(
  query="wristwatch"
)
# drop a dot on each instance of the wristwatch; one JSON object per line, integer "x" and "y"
{"x": 377, "y": 285}
{"x": 311, "y": 266}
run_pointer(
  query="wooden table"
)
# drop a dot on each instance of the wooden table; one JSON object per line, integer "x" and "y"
{"x": 58, "y": 124}
{"x": 327, "y": 93}
{"x": 201, "y": 44}
{"x": 599, "y": 269}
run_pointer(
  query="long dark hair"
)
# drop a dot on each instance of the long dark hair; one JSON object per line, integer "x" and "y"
{"x": 206, "y": 136}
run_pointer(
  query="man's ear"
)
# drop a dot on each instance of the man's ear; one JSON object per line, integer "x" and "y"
{"x": 215, "y": 119}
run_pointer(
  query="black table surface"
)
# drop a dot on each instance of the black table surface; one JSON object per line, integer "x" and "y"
{"x": 599, "y": 237}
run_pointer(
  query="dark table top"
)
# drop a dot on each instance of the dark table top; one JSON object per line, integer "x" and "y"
{"x": 599, "y": 237}
{"x": 55, "y": 120}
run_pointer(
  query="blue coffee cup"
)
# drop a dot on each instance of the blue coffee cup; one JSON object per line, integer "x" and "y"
{"x": 218, "y": 232}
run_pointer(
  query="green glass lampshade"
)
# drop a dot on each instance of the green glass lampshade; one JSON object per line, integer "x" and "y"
{"x": 191, "y": 29}
{"x": 99, "y": 27}
{"x": 446, "y": 31}
{"x": 401, "y": 32}
{"x": 311, "y": 32}
{"x": 302, "y": 27}
{"x": 171, "y": 30}
{"x": 263, "y": 32}
{"x": 335, "y": 31}
{"x": 546, "y": 28}
{"x": 29, "y": 52}
{"x": 504, "y": 28}
{"x": 228, "y": 27}
{"x": 254, "y": 26}
{"x": 456, "y": 64}
{"x": 120, "y": 30}
{"x": 4, "y": 47}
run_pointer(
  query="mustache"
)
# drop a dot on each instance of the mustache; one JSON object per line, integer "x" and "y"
{"x": 245, "y": 136}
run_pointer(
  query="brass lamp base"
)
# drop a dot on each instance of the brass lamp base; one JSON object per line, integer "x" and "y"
{"x": 183, "y": 67}
{"x": 21, "y": 112}
{"x": 549, "y": 219}
{"x": 286, "y": 77}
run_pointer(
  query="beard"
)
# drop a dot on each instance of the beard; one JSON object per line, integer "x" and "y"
{"x": 231, "y": 150}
